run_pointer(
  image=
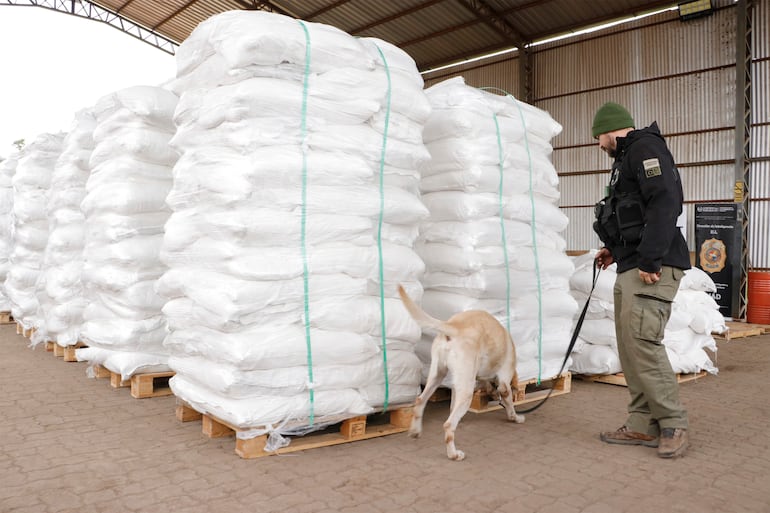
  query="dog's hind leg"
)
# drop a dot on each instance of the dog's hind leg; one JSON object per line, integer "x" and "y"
{"x": 436, "y": 375}
{"x": 506, "y": 398}
{"x": 462, "y": 396}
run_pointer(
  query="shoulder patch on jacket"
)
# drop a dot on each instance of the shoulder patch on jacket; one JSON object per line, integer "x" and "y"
{"x": 651, "y": 168}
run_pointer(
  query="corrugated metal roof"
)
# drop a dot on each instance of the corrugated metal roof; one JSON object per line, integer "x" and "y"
{"x": 433, "y": 32}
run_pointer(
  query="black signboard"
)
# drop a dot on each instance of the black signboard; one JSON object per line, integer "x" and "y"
{"x": 717, "y": 250}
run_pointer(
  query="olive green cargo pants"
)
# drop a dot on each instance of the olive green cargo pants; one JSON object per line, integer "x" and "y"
{"x": 641, "y": 314}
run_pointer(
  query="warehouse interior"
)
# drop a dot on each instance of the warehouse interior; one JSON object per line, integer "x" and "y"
{"x": 700, "y": 69}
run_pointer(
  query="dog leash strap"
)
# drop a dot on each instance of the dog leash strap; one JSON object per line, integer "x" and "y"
{"x": 305, "y": 276}
{"x": 575, "y": 333}
{"x": 379, "y": 234}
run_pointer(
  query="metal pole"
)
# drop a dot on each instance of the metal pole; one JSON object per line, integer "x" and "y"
{"x": 742, "y": 148}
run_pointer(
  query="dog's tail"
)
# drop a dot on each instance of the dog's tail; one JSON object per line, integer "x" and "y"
{"x": 422, "y": 318}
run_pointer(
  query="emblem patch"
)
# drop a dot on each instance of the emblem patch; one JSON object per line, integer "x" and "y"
{"x": 651, "y": 168}
{"x": 713, "y": 255}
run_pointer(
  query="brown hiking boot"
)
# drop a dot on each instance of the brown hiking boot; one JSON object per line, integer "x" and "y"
{"x": 673, "y": 442}
{"x": 625, "y": 436}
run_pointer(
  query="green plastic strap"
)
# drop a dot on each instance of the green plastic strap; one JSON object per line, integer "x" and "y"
{"x": 305, "y": 277}
{"x": 534, "y": 232}
{"x": 502, "y": 228}
{"x": 534, "y": 249}
{"x": 379, "y": 234}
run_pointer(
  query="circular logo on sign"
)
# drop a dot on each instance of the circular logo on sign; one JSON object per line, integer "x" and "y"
{"x": 713, "y": 255}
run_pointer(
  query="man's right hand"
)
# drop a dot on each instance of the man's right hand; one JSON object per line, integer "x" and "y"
{"x": 604, "y": 258}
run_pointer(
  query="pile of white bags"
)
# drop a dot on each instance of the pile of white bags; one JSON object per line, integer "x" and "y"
{"x": 275, "y": 310}
{"x": 31, "y": 186}
{"x": 491, "y": 179}
{"x": 59, "y": 286}
{"x": 125, "y": 212}
{"x": 694, "y": 317}
{"x": 7, "y": 169}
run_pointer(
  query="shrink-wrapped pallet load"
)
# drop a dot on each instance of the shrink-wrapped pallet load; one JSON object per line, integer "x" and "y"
{"x": 694, "y": 317}
{"x": 59, "y": 286}
{"x": 491, "y": 180}
{"x": 7, "y": 170}
{"x": 31, "y": 188}
{"x": 295, "y": 211}
{"x": 125, "y": 212}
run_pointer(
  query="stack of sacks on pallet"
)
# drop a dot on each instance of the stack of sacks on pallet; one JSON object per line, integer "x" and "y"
{"x": 286, "y": 132}
{"x": 694, "y": 317}
{"x": 125, "y": 212}
{"x": 491, "y": 179}
{"x": 31, "y": 186}
{"x": 59, "y": 286}
{"x": 7, "y": 169}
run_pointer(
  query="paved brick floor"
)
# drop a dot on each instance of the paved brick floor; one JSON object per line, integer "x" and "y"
{"x": 73, "y": 444}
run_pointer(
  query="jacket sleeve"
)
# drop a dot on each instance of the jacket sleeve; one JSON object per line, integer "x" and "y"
{"x": 661, "y": 190}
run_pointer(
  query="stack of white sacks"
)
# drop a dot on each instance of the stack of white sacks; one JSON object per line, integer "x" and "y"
{"x": 31, "y": 187}
{"x": 474, "y": 138}
{"x": 59, "y": 286}
{"x": 125, "y": 212}
{"x": 274, "y": 277}
{"x": 694, "y": 317}
{"x": 7, "y": 169}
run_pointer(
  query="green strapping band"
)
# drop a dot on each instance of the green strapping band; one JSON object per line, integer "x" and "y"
{"x": 305, "y": 273}
{"x": 379, "y": 234}
{"x": 534, "y": 249}
{"x": 534, "y": 233}
{"x": 502, "y": 229}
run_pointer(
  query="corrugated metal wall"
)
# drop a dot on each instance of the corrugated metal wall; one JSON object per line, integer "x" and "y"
{"x": 680, "y": 74}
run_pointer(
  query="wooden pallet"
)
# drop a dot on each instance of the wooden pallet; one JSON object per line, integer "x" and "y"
{"x": 151, "y": 384}
{"x": 67, "y": 353}
{"x": 620, "y": 379}
{"x": 6, "y": 318}
{"x": 741, "y": 330}
{"x": 24, "y": 332}
{"x": 347, "y": 430}
{"x": 529, "y": 391}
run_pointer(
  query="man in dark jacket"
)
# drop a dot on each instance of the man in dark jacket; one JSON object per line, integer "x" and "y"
{"x": 637, "y": 224}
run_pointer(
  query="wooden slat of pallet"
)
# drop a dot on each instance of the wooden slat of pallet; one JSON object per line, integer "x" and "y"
{"x": 741, "y": 330}
{"x": 350, "y": 430}
{"x": 19, "y": 328}
{"x": 49, "y": 346}
{"x": 528, "y": 392}
{"x": 154, "y": 384}
{"x": 58, "y": 350}
{"x": 69, "y": 352}
{"x": 620, "y": 379}
{"x": 6, "y": 318}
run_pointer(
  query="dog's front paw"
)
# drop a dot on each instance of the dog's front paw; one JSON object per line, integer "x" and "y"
{"x": 458, "y": 455}
{"x": 518, "y": 419}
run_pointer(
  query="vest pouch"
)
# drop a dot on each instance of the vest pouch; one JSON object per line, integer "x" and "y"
{"x": 605, "y": 225}
{"x": 629, "y": 213}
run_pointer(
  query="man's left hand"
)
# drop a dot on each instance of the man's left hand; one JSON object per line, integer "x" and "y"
{"x": 649, "y": 278}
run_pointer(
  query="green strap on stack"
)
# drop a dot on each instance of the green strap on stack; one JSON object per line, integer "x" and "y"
{"x": 379, "y": 235}
{"x": 534, "y": 233}
{"x": 303, "y": 241}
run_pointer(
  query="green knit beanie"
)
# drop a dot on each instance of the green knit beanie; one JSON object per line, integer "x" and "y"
{"x": 611, "y": 116}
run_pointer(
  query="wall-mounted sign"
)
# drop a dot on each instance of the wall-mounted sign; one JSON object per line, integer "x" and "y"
{"x": 717, "y": 249}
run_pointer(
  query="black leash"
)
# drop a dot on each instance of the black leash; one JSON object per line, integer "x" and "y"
{"x": 572, "y": 342}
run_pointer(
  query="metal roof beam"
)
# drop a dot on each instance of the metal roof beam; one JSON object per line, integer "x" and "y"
{"x": 495, "y": 20}
{"x": 92, "y": 11}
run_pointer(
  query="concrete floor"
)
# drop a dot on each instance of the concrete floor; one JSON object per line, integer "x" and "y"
{"x": 73, "y": 444}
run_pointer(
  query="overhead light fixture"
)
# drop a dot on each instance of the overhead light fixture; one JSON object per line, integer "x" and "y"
{"x": 696, "y": 9}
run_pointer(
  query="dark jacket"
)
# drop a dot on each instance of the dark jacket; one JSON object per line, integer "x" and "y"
{"x": 645, "y": 168}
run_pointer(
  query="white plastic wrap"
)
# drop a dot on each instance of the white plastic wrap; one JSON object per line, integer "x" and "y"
{"x": 31, "y": 188}
{"x": 7, "y": 170}
{"x": 293, "y": 142}
{"x": 474, "y": 136}
{"x": 59, "y": 287}
{"x": 125, "y": 211}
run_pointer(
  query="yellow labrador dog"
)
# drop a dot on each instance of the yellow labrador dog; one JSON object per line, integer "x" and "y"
{"x": 473, "y": 345}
